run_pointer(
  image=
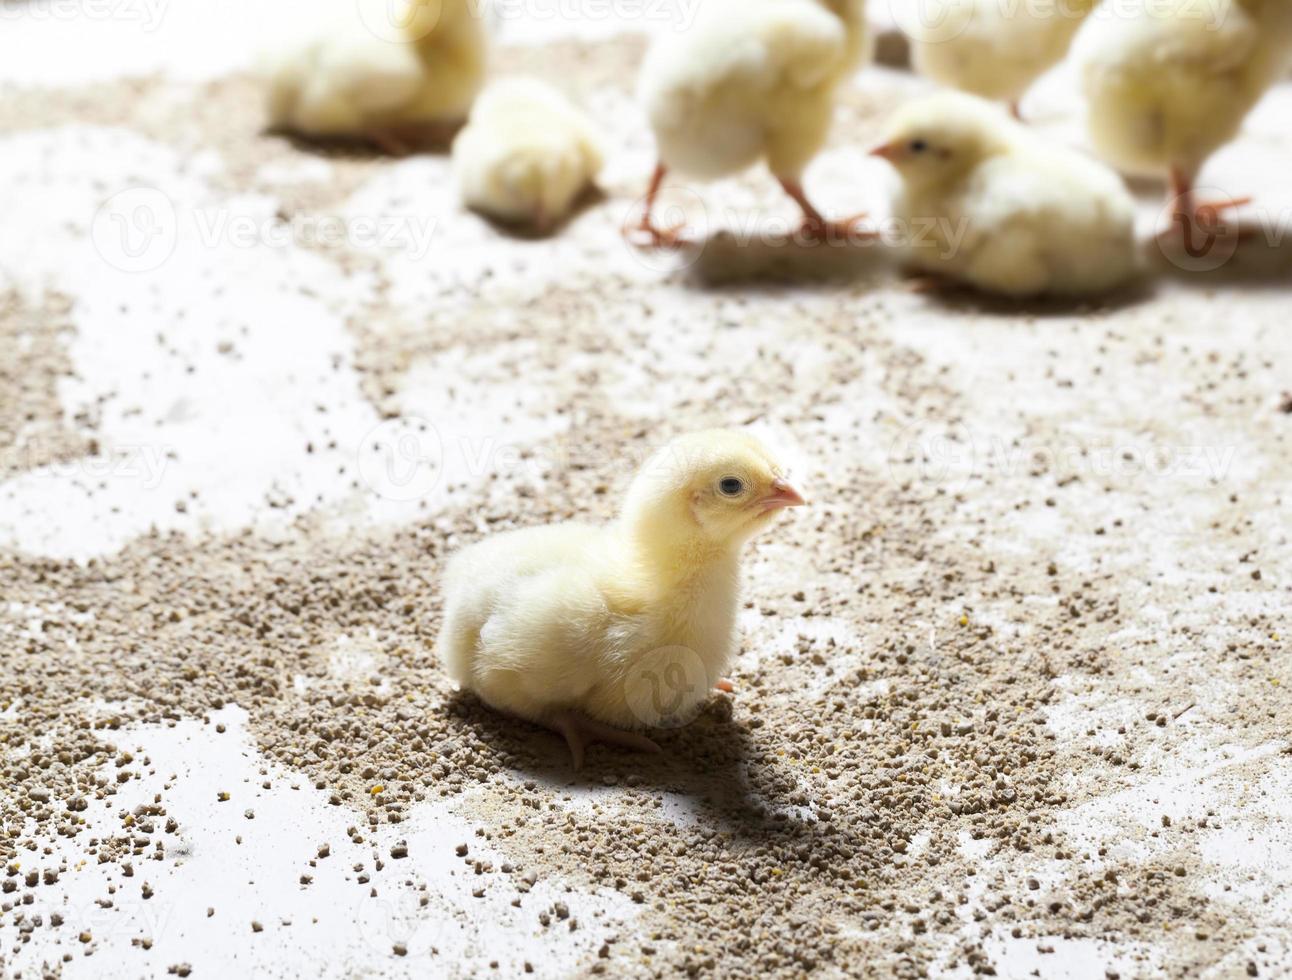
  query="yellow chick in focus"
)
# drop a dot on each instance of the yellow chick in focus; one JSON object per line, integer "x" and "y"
{"x": 397, "y": 74}
{"x": 593, "y": 631}
{"x": 988, "y": 202}
{"x": 1169, "y": 82}
{"x": 752, "y": 80}
{"x": 526, "y": 154}
{"x": 993, "y": 48}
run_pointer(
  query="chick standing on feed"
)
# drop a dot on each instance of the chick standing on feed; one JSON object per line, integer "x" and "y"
{"x": 1168, "y": 82}
{"x": 554, "y": 624}
{"x": 394, "y": 74}
{"x": 993, "y": 48}
{"x": 526, "y": 154}
{"x": 991, "y": 203}
{"x": 752, "y": 80}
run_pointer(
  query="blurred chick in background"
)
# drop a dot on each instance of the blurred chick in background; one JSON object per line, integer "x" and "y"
{"x": 564, "y": 625}
{"x": 1169, "y": 81}
{"x": 526, "y": 154}
{"x": 751, "y": 80}
{"x": 994, "y": 48}
{"x": 397, "y": 74}
{"x": 988, "y": 202}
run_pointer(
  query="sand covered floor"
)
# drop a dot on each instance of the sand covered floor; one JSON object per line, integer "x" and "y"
{"x": 1014, "y": 693}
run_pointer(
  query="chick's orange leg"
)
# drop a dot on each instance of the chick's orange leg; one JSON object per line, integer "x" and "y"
{"x": 580, "y": 731}
{"x": 653, "y": 235}
{"x": 815, "y": 224}
{"x": 725, "y": 686}
{"x": 1197, "y": 222}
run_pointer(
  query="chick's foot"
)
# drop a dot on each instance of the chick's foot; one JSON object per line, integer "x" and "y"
{"x": 1198, "y": 224}
{"x": 1198, "y": 227}
{"x": 646, "y": 234}
{"x": 580, "y": 731}
{"x": 816, "y": 227}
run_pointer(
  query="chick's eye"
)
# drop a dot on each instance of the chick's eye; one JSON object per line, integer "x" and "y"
{"x": 919, "y": 146}
{"x": 730, "y": 486}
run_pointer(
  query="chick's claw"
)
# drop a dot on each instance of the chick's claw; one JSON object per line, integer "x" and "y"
{"x": 580, "y": 731}
{"x": 648, "y": 235}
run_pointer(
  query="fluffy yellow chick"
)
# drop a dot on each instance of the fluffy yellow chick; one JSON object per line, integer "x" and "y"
{"x": 989, "y": 202}
{"x": 526, "y": 154}
{"x": 593, "y": 631}
{"x": 1169, "y": 81}
{"x": 395, "y": 74}
{"x": 993, "y": 48}
{"x": 751, "y": 80}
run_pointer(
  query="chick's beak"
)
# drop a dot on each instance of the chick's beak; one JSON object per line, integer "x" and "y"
{"x": 886, "y": 151}
{"x": 781, "y": 495}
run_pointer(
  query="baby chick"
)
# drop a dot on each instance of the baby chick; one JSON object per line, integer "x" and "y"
{"x": 993, "y": 48}
{"x": 989, "y": 202}
{"x": 394, "y": 74}
{"x": 1170, "y": 81}
{"x": 582, "y": 628}
{"x": 751, "y": 80}
{"x": 526, "y": 153}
